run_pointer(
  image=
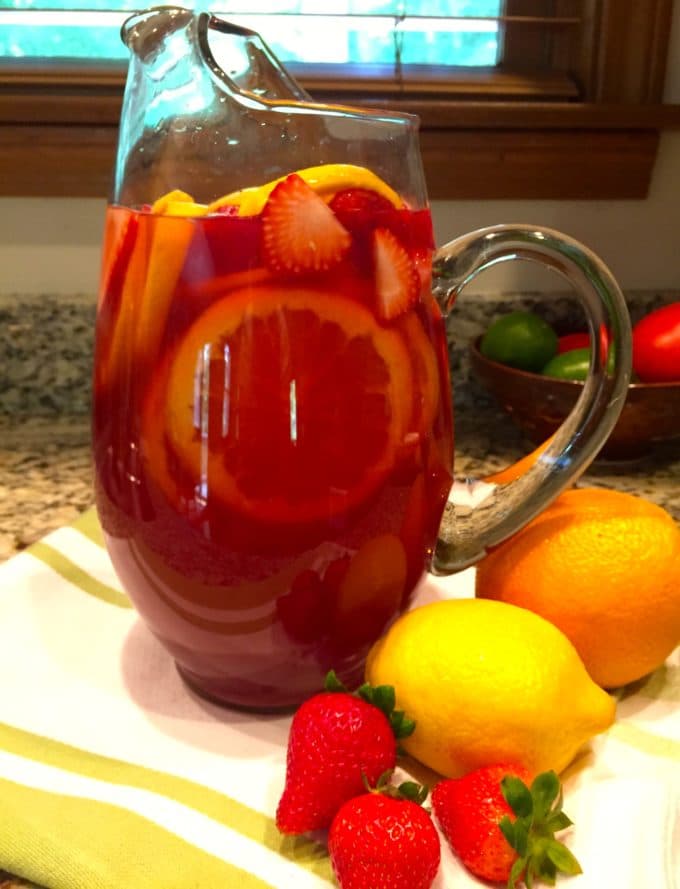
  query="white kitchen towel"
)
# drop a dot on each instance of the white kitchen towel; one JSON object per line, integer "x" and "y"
{"x": 113, "y": 774}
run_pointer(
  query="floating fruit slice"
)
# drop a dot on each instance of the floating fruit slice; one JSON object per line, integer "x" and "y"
{"x": 425, "y": 373}
{"x": 178, "y": 203}
{"x": 397, "y": 284}
{"x": 288, "y": 405}
{"x": 117, "y": 243}
{"x": 160, "y": 205}
{"x": 325, "y": 180}
{"x": 370, "y": 592}
{"x": 299, "y": 231}
{"x": 169, "y": 242}
{"x": 131, "y": 269}
{"x": 361, "y": 210}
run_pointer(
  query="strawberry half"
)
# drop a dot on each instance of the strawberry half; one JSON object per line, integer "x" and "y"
{"x": 300, "y": 232}
{"x": 397, "y": 283}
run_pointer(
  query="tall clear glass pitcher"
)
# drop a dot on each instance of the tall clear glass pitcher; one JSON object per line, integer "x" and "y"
{"x": 273, "y": 427}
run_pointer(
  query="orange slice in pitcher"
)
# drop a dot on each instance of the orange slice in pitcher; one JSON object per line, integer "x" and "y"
{"x": 178, "y": 203}
{"x": 425, "y": 371}
{"x": 288, "y": 405}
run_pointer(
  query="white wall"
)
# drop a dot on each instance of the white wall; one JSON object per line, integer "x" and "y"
{"x": 52, "y": 245}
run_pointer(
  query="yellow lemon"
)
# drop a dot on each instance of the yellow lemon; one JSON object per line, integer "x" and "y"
{"x": 325, "y": 179}
{"x": 488, "y": 682}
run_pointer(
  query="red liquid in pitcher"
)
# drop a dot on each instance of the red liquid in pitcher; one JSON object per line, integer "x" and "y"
{"x": 272, "y": 436}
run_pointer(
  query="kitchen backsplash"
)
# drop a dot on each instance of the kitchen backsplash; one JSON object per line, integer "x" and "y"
{"x": 46, "y": 344}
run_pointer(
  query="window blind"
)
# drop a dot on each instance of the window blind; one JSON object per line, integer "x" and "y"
{"x": 383, "y": 39}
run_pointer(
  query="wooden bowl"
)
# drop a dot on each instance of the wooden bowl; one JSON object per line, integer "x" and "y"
{"x": 539, "y": 404}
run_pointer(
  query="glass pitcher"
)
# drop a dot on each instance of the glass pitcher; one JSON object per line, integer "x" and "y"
{"x": 272, "y": 426}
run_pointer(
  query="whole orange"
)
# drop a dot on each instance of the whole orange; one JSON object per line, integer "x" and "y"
{"x": 604, "y": 567}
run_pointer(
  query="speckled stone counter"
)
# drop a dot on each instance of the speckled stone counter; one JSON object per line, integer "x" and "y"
{"x": 45, "y": 477}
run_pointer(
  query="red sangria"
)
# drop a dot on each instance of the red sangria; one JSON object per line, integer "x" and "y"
{"x": 272, "y": 425}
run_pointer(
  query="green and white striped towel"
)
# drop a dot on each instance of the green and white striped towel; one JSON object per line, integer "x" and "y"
{"x": 112, "y": 774}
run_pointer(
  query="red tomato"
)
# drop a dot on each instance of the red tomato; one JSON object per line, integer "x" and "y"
{"x": 571, "y": 341}
{"x": 656, "y": 345}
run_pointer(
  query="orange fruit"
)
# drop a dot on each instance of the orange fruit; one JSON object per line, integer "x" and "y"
{"x": 288, "y": 404}
{"x": 604, "y": 567}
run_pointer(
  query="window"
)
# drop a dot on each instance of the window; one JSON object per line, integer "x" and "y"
{"x": 371, "y": 33}
{"x": 517, "y": 98}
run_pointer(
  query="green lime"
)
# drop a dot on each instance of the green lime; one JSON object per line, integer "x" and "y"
{"x": 572, "y": 365}
{"x": 520, "y": 339}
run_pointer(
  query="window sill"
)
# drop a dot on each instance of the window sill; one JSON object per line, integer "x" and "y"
{"x": 59, "y": 139}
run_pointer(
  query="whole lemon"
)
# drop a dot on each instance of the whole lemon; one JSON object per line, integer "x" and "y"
{"x": 488, "y": 682}
{"x": 604, "y": 567}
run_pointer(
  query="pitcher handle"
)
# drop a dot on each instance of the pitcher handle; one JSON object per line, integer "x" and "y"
{"x": 467, "y": 532}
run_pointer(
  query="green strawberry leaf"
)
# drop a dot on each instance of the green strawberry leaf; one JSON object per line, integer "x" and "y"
{"x": 516, "y": 872}
{"x": 416, "y": 793}
{"x": 397, "y": 719}
{"x": 562, "y": 858}
{"x": 508, "y": 828}
{"x": 405, "y": 728}
{"x": 545, "y": 789}
{"x": 407, "y": 790}
{"x": 332, "y": 682}
{"x": 517, "y": 795}
{"x": 558, "y": 821}
{"x": 365, "y": 692}
{"x": 384, "y": 698}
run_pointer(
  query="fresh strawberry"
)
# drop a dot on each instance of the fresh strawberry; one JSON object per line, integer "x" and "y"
{"x": 385, "y": 838}
{"x": 337, "y": 740}
{"x": 396, "y": 280}
{"x": 300, "y": 232}
{"x": 502, "y": 829}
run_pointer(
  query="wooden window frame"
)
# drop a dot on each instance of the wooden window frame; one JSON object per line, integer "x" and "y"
{"x": 501, "y": 134}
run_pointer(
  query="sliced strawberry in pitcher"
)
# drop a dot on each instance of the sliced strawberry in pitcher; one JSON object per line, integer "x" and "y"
{"x": 300, "y": 232}
{"x": 360, "y": 210}
{"x": 397, "y": 283}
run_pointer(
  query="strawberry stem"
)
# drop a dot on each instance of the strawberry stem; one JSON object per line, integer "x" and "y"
{"x": 407, "y": 790}
{"x": 539, "y": 816}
